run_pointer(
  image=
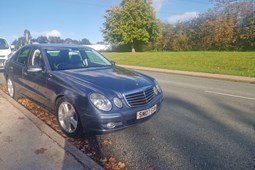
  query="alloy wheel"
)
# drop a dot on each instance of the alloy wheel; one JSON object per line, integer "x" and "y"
{"x": 10, "y": 87}
{"x": 67, "y": 117}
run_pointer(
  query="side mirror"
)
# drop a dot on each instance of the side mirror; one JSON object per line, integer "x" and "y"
{"x": 113, "y": 62}
{"x": 33, "y": 69}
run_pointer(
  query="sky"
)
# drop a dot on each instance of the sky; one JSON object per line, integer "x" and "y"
{"x": 78, "y": 19}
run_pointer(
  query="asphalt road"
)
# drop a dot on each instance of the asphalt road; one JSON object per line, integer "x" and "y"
{"x": 203, "y": 124}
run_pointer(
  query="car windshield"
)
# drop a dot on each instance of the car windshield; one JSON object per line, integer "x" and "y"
{"x": 3, "y": 44}
{"x": 69, "y": 58}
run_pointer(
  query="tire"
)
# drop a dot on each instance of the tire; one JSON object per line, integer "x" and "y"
{"x": 68, "y": 118}
{"x": 11, "y": 88}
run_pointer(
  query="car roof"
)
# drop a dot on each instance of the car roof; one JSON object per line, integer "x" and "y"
{"x": 45, "y": 46}
{"x": 2, "y": 38}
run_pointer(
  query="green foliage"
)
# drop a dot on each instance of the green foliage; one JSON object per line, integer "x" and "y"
{"x": 55, "y": 40}
{"x": 133, "y": 22}
{"x": 228, "y": 26}
{"x": 233, "y": 63}
{"x": 41, "y": 39}
{"x": 85, "y": 41}
{"x": 27, "y": 39}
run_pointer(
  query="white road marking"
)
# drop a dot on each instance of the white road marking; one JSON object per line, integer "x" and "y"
{"x": 230, "y": 95}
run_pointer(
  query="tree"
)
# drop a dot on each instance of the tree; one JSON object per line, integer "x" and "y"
{"x": 68, "y": 41}
{"x": 19, "y": 42}
{"x": 218, "y": 31}
{"x": 42, "y": 39}
{"x": 133, "y": 23}
{"x": 76, "y": 42}
{"x": 16, "y": 44}
{"x": 55, "y": 40}
{"x": 229, "y": 25}
{"x": 23, "y": 40}
{"x": 85, "y": 41}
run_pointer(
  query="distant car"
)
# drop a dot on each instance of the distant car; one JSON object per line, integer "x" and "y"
{"x": 87, "y": 92}
{"x": 5, "y": 51}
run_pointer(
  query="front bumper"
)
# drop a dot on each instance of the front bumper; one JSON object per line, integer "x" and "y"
{"x": 2, "y": 63}
{"x": 97, "y": 123}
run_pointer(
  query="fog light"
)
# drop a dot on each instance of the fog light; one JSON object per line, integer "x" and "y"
{"x": 112, "y": 125}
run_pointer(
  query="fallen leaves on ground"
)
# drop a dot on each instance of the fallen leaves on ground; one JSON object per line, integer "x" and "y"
{"x": 149, "y": 168}
{"x": 107, "y": 142}
{"x": 113, "y": 164}
{"x": 88, "y": 145}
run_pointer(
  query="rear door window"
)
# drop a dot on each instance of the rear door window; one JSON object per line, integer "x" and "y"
{"x": 23, "y": 56}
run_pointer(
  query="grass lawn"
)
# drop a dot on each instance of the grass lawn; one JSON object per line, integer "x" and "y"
{"x": 233, "y": 63}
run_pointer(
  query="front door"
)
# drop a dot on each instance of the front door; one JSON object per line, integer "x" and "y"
{"x": 35, "y": 77}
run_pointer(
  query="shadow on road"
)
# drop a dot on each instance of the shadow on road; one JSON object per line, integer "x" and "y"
{"x": 186, "y": 136}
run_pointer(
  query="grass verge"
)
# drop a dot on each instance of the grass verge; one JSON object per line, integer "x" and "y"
{"x": 232, "y": 63}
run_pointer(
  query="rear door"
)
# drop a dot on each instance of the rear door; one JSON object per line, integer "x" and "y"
{"x": 17, "y": 66}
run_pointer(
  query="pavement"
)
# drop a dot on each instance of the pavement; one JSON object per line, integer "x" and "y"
{"x": 28, "y": 143}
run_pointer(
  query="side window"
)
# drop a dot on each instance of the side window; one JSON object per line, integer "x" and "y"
{"x": 36, "y": 58}
{"x": 23, "y": 56}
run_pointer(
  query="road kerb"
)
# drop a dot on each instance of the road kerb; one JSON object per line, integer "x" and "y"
{"x": 196, "y": 74}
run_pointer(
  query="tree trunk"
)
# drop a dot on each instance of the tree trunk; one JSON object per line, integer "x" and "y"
{"x": 133, "y": 49}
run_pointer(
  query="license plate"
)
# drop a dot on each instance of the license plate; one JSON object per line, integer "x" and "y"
{"x": 146, "y": 113}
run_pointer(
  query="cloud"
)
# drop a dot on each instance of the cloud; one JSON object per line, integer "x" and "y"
{"x": 183, "y": 17}
{"x": 157, "y": 4}
{"x": 52, "y": 33}
{"x": 70, "y": 34}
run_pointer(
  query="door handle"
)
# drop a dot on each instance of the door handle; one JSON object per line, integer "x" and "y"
{"x": 25, "y": 73}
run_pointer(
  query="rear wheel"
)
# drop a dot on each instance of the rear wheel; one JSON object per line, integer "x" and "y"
{"x": 11, "y": 88}
{"x": 68, "y": 118}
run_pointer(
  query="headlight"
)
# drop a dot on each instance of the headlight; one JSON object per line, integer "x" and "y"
{"x": 101, "y": 102}
{"x": 155, "y": 90}
{"x": 157, "y": 86}
{"x": 117, "y": 102}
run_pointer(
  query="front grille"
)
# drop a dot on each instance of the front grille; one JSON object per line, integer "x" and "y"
{"x": 2, "y": 56}
{"x": 140, "y": 98}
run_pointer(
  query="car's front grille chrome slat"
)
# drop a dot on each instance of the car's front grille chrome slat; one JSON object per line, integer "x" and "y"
{"x": 140, "y": 98}
{"x": 136, "y": 98}
{"x": 136, "y": 95}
